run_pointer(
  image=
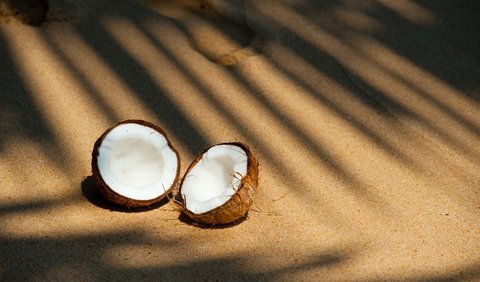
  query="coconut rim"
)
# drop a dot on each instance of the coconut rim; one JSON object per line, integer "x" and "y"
{"x": 101, "y": 184}
{"x": 251, "y": 161}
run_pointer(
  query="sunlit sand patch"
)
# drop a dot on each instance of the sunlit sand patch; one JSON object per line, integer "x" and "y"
{"x": 50, "y": 87}
{"x": 424, "y": 232}
{"x": 107, "y": 85}
{"x": 425, "y": 117}
{"x": 197, "y": 254}
{"x": 60, "y": 217}
{"x": 166, "y": 74}
{"x": 25, "y": 163}
{"x": 135, "y": 256}
{"x": 365, "y": 159}
{"x": 180, "y": 61}
{"x": 436, "y": 89}
{"x": 247, "y": 112}
{"x": 367, "y": 126}
{"x": 188, "y": 96}
{"x": 375, "y": 76}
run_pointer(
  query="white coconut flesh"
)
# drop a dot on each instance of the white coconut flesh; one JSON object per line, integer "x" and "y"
{"x": 136, "y": 162}
{"x": 214, "y": 179}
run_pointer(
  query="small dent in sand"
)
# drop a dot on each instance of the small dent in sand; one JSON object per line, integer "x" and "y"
{"x": 240, "y": 55}
{"x": 221, "y": 39}
{"x": 32, "y": 12}
{"x": 37, "y": 12}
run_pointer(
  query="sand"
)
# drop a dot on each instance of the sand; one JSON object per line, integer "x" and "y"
{"x": 365, "y": 116}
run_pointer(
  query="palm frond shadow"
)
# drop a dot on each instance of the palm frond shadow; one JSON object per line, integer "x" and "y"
{"x": 22, "y": 255}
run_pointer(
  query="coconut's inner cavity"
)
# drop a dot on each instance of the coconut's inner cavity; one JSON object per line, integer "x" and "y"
{"x": 215, "y": 178}
{"x": 135, "y": 161}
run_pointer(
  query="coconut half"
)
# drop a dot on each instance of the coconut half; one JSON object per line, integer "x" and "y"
{"x": 219, "y": 186}
{"x": 134, "y": 164}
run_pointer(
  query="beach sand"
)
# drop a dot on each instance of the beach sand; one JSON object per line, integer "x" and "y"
{"x": 365, "y": 116}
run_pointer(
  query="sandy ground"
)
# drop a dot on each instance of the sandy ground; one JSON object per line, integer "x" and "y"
{"x": 365, "y": 116}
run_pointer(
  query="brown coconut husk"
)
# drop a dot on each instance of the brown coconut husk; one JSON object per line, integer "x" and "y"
{"x": 239, "y": 204}
{"x": 113, "y": 196}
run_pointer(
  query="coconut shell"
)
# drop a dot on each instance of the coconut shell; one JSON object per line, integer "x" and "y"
{"x": 239, "y": 204}
{"x": 113, "y": 196}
